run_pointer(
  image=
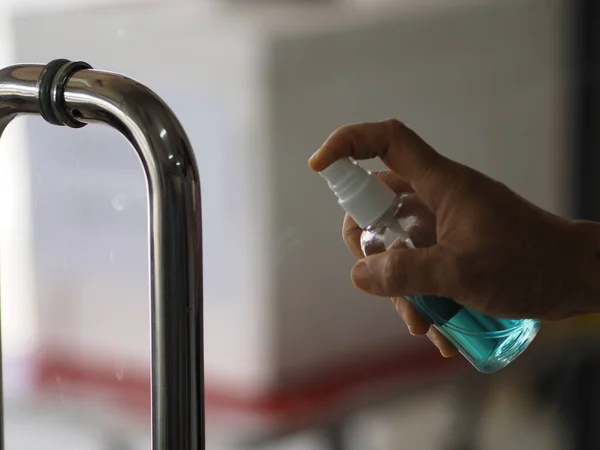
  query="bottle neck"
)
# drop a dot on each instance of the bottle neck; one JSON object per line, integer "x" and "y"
{"x": 387, "y": 219}
{"x": 392, "y": 221}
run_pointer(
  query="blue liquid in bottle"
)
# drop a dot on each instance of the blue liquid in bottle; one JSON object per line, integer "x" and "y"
{"x": 488, "y": 343}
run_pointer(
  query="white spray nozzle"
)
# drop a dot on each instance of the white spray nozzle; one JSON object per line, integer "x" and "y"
{"x": 364, "y": 196}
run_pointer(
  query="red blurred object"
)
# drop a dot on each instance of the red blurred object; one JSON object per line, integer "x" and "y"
{"x": 317, "y": 394}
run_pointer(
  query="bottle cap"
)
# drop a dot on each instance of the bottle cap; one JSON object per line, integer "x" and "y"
{"x": 364, "y": 196}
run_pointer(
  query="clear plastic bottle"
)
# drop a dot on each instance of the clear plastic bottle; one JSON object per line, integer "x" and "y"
{"x": 387, "y": 219}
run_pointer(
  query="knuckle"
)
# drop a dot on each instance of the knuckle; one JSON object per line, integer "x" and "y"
{"x": 344, "y": 137}
{"x": 342, "y": 133}
{"x": 397, "y": 131}
{"x": 394, "y": 125}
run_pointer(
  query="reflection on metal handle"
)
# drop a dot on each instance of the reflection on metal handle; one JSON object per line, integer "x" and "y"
{"x": 72, "y": 94}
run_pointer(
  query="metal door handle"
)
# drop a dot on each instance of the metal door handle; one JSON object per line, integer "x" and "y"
{"x": 72, "y": 94}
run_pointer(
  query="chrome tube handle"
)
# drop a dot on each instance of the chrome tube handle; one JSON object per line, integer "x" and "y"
{"x": 72, "y": 94}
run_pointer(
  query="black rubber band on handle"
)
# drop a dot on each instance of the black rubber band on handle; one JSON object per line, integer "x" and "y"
{"x": 51, "y": 86}
{"x": 44, "y": 85}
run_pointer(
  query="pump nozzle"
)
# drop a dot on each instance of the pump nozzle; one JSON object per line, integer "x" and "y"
{"x": 364, "y": 196}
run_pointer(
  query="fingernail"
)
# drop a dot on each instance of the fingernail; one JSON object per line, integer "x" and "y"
{"x": 410, "y": 330}
{"x": 447, "y": 353}
{"x": 361, "y": 275}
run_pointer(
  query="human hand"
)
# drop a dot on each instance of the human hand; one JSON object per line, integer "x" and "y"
{"x": 495, "y": 252}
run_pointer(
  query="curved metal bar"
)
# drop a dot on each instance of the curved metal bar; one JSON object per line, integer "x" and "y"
{"x": 174, "y": 230}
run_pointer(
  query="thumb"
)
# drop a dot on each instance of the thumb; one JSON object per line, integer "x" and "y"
{"x": 400, "y": 272}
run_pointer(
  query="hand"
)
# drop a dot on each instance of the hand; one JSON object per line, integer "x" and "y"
{"x": 495, "y": 252}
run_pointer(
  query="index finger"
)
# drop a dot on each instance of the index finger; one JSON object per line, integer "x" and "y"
{"x": 400, "y": 148}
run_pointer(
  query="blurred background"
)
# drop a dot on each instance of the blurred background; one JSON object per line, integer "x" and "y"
{"x": 296, "y": 359}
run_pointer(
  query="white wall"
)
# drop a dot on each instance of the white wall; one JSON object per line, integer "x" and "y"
{"x": 16, "y": 286}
